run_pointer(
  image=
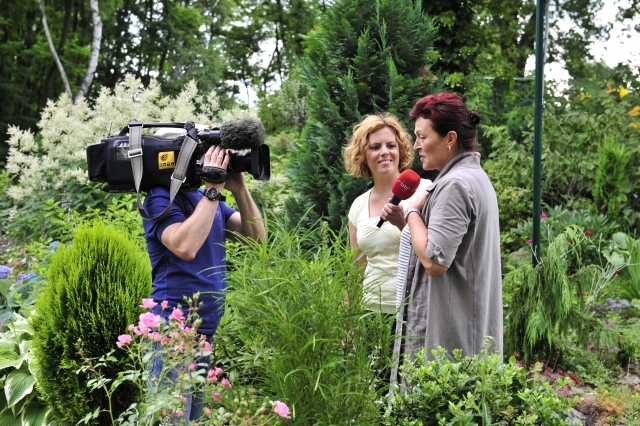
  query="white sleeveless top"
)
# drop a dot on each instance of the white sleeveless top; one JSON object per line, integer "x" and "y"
{"x": 381, "y": 246}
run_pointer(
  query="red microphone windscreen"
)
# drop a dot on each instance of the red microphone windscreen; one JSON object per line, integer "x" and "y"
{"x": 406, "y": 184}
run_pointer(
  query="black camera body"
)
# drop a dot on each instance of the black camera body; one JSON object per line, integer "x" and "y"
{"x": 110, "y": 161}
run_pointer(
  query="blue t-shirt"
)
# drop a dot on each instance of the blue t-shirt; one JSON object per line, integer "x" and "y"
{"x": 174, "y": 278}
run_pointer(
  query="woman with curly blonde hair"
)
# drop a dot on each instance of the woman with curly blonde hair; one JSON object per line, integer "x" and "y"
{"x": 380, "y": 148}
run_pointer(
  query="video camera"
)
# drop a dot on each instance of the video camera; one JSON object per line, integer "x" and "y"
{"x": 110, "y": 161}
{"x": 137, "y": 162}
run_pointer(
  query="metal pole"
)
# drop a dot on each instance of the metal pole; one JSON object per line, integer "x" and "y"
{"x": 537, "y": 128}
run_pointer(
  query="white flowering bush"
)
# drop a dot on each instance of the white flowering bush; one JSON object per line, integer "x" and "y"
{"x": 52, "y": 165}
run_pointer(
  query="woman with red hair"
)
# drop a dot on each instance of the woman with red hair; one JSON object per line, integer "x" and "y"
{"x": 452, "y": 289}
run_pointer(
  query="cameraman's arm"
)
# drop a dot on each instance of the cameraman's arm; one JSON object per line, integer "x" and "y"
{"x": 248, "y": 221}
{"x": 185, "y": 239}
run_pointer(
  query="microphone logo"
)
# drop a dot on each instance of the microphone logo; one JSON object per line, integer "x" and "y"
{"x": 404, "y": 185}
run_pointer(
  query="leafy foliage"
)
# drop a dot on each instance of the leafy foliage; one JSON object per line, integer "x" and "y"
{"x": 550, "y": 301}
{"x": 296, "y": 327}
{"x": 609, "y": 186}
{"x": 475, "y": 390}
{"x": 20, "y": 401}
{"x": 93, "y": 291}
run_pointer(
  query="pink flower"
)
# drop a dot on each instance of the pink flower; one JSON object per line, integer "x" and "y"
{"x": 164, "y": 304}
{"x": 165, "y": 340}
{"x": 588, "y": 233}
{"x": 124, "y": 339}
{"x": 211, "y": 376}
{"x": 207, "y": 411}
{"x": 217, "y": 397}
{"x": 529, "y": 241}
{"x": 281, "y": 409}
{"x": 179, "y": 413}
{"x": 148, "y": 303}
{"x": 261, "y": 410}
{"x": 226, "y": 384}
{"x": 582, "y": 293}
{"x": 192, "y": 366}
{"x": 218, "y": 371}
{"x": 618, "y": 272}
{"x": 207, "y": 347}
{"x": 570, "y": 242}
{"x": 131, "y": 327}
{"x": 177, "y": 314}
{"x": 149, "y": 320}
{"x": 544, "y": 216}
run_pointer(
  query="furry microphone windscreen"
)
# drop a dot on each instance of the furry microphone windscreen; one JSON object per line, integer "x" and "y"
{"x": 245, "y": 133}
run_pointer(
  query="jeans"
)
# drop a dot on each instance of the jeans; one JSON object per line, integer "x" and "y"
{"x": 194, "y": 404}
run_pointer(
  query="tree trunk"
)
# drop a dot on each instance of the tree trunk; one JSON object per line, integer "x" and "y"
{"x": 95, "y": 50}
{"x": 63, "y": 75}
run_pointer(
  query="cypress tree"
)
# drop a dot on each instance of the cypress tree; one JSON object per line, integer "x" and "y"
{"x": 93, "y": 292}
{"x": 365, "y": 57}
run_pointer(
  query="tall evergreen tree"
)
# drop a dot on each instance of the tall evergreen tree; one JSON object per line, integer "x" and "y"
{"x": 365, "y": 57}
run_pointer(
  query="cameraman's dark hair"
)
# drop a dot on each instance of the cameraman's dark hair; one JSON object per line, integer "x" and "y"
{"x": 447, "y": 113}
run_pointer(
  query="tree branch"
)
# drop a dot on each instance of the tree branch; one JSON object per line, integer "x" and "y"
{"x": 95, "y": 50}
{"x": 63, "y": 75}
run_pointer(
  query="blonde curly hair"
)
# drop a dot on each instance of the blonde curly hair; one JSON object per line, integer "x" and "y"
{"x": 355, "y": 160}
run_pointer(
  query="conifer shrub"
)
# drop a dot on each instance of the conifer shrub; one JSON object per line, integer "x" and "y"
{"x": 552, "y": 302}
{"x": 93, "y": 291}
{"x": 610, "y": 180}
{"x": 365, "y": 57}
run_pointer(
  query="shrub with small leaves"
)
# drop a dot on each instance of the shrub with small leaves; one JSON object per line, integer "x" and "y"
{"x": 475, "y": 390}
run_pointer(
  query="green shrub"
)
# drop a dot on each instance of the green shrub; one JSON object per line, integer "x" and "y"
{"x": 297, "y": 329}
{"x": 550, "y": 300}
{"x": 475, "y": 390}
{"x": 629, "y": 342}
{"x": 93, "y": 292}
{"x": 610, "y": 182}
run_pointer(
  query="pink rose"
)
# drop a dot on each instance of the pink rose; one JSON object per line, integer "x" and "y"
{"x": 529, "y": 241}
{"x": 124, "y": 339}
{"x": 217, "y": 397}
{"x": 281, "y": 409}
{"x": 207, "y": 411}
{"x": 544, "y": 216}
{"x": 177, "y": 314}
{"x": 226, "y": 384}
{"x": 164, "y": 304}
{"x": 618, "y": 272}
{"x": 192, "y": 366}
{"x": 588, "y": 233}
{"x": 149, "y": 320}
{"x": 148, "y": 303}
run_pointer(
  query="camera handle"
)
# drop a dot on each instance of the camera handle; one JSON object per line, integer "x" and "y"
{"x": 179, "y": 175}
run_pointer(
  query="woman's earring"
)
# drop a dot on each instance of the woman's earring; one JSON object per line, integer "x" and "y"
{"x": 449, "y": 149}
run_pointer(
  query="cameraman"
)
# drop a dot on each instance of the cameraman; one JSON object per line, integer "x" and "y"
{"x": 187, "y": 249}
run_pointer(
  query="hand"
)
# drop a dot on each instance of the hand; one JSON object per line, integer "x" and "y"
{"x": 419, "y": 203}
{"x": 216, "y": 156}
{"x": 394, "y": 215}
{"x": 236, "y": 182}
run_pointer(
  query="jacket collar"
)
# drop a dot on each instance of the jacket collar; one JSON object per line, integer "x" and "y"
{"x": 474, "y": 158}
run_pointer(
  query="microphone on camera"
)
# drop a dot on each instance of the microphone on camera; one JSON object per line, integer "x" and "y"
{"x": 246, "y": 133}
{"x": 404, "y": 187}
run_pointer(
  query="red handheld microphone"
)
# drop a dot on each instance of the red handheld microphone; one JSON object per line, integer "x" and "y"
{"x": 404, "y": 187}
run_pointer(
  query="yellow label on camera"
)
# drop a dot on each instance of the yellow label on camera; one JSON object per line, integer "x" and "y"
{"x": 166, "y": 160}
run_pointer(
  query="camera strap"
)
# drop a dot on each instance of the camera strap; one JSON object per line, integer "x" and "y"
{"x": 178, "y": 177}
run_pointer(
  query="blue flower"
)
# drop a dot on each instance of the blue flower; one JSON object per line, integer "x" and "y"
{"x": 23, "y": 277}
{"x": 53, "y": 244}
{"x": 4, "y": 271}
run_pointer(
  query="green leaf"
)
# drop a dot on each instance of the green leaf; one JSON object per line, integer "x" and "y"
{"x": 35, "y": 414}
{"x": 8, "y": 358}
{"x": 19, "y": 383}
{"x": 7, "y": 419}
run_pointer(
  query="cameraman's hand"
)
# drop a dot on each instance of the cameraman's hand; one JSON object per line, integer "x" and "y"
{"x": 216, "y": 156}
{"x": 235, "y": 183}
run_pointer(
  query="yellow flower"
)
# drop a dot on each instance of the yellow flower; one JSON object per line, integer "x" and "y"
{"x": 623, "y": 92}
{"x": 635, "y": 111}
